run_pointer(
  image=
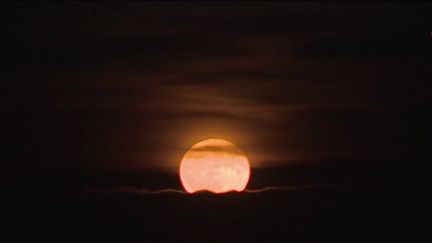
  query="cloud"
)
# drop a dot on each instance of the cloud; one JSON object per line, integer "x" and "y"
{"x": 136, "y": 190}
{"x": 297, "y": 188}
{"x": 140, "y": 190}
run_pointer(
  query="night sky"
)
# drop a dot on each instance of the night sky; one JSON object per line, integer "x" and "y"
{"x": 330, "y": 102}
{"x": 111, "y": 93}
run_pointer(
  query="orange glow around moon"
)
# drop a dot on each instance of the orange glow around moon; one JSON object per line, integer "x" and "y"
{"x": 215, "y": 165}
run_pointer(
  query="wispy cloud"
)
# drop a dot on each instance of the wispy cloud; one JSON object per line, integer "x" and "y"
{"x": 136, "y": 190}
{"x": 140, "y": 190}
{"x": 297, "y": 188}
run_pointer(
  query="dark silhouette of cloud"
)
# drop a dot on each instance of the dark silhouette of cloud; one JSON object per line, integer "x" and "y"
{"x": 140, "y": 190}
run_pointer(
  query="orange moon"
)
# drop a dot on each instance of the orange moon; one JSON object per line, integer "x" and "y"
{"x": 214, "y": 165}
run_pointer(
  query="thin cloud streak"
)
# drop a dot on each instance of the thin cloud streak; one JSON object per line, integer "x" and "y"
{"x": 140, "y": 191}
{"x": 137, "y": 190}
{"x": 296, "y": 188}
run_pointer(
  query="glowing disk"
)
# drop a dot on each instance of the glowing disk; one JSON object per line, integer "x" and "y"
{"x": 215, "y": 165}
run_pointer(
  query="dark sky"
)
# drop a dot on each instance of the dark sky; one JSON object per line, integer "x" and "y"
{"x": 129, "y": 87}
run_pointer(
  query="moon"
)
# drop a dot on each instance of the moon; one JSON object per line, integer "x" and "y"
{"x": 214, "y": 165}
